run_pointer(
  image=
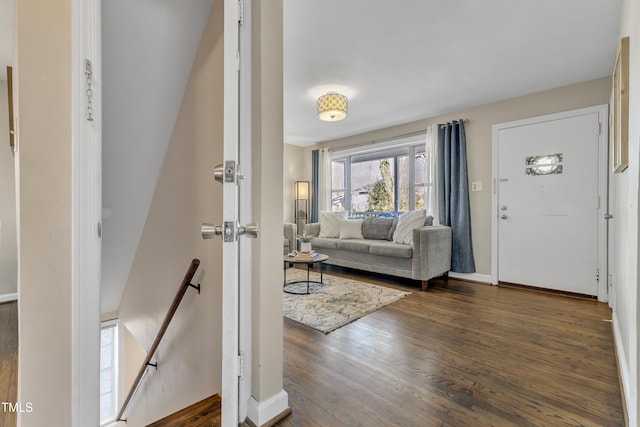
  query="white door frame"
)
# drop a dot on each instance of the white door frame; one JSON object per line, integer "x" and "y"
{"x": 86, "y": 142}
{"x": 246, "y": 212}
{"x": 603, "y": 132}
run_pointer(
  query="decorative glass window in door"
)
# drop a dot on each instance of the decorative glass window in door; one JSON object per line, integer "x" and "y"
{"x": 548, "y": 164}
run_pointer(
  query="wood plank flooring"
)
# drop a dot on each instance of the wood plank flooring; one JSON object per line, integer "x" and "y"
{"x": 8, "y": 361}
{"x": 462, "y": 354}
{"x": 205, "y": 413}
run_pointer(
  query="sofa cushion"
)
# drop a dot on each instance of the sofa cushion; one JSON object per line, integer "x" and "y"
{"x": 286, "y": 242}
{"x": 324, "y": 243}
{"x": 392, "y": 230}
{"x": 351, "y": 229}
{"x": 330, "y": 223}
{"x": 376, "y": 228}
{"x": 397, "y": 250}
{"x": 406, "y": 223}
{"x": 354, "y": 245}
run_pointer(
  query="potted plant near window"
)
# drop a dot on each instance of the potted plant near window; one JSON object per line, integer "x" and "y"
{"x": 305, "y": 242}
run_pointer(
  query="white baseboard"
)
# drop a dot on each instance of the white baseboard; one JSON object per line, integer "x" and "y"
{"x": 262, "y": 412}
{"x": 8, "y": 297}
{"x": 474, "y": 277}
{"x": 623, "y": 368}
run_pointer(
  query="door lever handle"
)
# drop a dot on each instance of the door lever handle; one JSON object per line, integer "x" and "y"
{"x": 503, "y": 216}
{"x": 608, "y": 216}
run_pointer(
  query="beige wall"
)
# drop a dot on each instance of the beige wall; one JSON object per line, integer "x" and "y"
{"x": 294, "y": 169}
{"x": 8, "y": 237}
{"x": 44, "y": 222}
{"x": 185, "y": 197}
{"x": 479, "y": 142}
{"x": 267, "y": 369}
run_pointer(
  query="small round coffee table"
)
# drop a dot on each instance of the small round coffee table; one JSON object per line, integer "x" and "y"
{"x": 320, "y": 259}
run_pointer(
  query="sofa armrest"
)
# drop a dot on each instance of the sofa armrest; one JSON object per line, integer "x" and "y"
{"x": 431, "y": 252}
{"x": 313, "y": 229}
{"x": 290, "y": 233}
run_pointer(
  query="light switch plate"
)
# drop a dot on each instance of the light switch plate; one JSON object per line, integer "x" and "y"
{"x": 476, "y": 186}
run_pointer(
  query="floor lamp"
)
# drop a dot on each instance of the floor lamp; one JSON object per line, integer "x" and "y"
{"x": 301, "y": 205}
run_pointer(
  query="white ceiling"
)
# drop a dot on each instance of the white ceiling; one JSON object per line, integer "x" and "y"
{"x": 411, "y": 59}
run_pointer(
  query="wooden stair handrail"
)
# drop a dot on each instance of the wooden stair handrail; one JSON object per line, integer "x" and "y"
{"x": 186, "y": 283}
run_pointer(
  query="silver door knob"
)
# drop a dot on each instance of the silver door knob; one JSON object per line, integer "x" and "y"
{"x": 249, "y": 230}
{"x": 218, "y": 173}
{"x": 210, "y": 231}
{"x": 503, "y": 216}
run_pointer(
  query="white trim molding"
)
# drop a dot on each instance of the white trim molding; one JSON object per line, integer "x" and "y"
{"x": 9, "y": 297}
{"x": 473, "y": 277}
{"x": 262, "y": 412}
{"x": 623, "y": 370}
{"x": 86, "y": 213}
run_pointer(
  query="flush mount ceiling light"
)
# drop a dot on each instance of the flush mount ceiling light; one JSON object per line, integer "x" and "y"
{"x": 332, "y": 107}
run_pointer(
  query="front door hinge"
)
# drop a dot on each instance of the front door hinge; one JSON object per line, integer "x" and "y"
{"x": 241, "y": 365}
{"x": 99, "y": 230}
{"x": 599, "y": 128}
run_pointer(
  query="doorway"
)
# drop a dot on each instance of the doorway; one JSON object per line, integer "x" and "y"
{"x": 549, "y": 202}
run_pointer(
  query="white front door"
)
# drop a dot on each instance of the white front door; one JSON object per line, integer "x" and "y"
{"x": 548, "y": 209}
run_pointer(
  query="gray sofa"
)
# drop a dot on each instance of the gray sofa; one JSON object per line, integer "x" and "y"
{"x": 428, "y": 256}
{"x": 289, "y": 237}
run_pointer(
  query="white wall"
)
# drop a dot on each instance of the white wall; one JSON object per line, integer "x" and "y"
{"x": 8, "y": 238}
{"x": 625, "y": 270}
{"x": 186, "y": 196}
{"x": 44, "y": 223}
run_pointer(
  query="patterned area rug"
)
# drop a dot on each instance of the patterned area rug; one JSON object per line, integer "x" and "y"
{"x": 336, "y": 303}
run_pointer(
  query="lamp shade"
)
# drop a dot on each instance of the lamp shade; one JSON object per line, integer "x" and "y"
{"x": 332, "y": 107}
{"x": 301, "y": 190}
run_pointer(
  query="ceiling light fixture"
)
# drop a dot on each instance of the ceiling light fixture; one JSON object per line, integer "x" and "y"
{"x": 332, "y": 107}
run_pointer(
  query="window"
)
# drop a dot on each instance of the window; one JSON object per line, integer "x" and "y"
{"x": 109, "y": 371}
{"x": 338, "y": 187}
{"x": 387, "y": 178}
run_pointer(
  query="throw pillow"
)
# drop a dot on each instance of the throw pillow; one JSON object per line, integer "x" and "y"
{"x": 428, "y": 220}
{"x": 376, "y": 228}
{"x": 351, "y": 229}
{"x": 406, "y": 223}
{"x": 330, "y": 224}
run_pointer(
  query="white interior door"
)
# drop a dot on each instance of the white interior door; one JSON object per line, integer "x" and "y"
{"x": 548, "y": 187}
{"x": 231, "y": 194}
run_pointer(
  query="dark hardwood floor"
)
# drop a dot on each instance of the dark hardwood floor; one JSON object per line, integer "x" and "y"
{"x": 462, "y": 354}
{"x": 8, "y": 361}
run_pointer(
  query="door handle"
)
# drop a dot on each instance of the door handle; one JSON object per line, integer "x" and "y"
{"x": 608, "y": 216}
{"x": 249, "y": 230}
{"x": 503, "y": 216}
{"x": 210, "y": 231}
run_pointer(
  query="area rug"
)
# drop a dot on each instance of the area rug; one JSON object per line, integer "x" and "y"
{"x": 336, "y": 303}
